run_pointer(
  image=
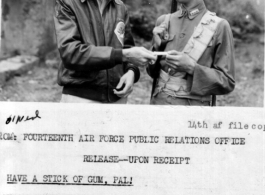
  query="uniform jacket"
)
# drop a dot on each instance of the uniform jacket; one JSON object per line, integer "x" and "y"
{"x": 214, "y": 72}
{"x": 90, "y": 50}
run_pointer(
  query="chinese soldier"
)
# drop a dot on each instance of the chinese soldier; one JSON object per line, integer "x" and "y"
{"x": 199, "y": 59}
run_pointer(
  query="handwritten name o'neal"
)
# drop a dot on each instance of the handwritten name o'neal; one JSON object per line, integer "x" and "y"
{"x": 19, "y": 119}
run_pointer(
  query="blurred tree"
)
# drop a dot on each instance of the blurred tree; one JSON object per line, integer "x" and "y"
{"x": 27, "y": 27}
{"x": 144, "y": 18}
{"x": 242, "y": 16}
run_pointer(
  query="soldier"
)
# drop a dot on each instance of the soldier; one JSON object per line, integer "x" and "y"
{"x": 99, "y": 62}
{"x": 200, "y": 56}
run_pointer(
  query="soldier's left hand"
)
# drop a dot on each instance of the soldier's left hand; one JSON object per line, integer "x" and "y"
{"x": 127, "y": 80}
{"x": 180, "y": 62}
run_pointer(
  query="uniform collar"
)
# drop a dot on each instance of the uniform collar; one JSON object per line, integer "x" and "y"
{"x": 192, "y": 12}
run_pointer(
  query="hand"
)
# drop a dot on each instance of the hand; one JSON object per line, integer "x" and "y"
{"x": 180, "y": 62}
{"x": 127, "y": 80}
{"x": 139, "y": 56}
{"x": 158, "y": 32}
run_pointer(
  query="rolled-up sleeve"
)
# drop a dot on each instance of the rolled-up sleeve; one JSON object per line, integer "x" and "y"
{"x": 75, "y": 54}
{"x": 220, "y": 78}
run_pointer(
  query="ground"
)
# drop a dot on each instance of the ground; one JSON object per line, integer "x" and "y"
{"x": 39, "y": 84}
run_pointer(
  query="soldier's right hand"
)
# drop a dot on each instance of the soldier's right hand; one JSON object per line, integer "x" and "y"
{"x": 139, "y": 56}
{"x": 158, "y": 32}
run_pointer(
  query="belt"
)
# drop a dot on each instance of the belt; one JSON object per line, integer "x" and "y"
{"x": 177, "y": 87}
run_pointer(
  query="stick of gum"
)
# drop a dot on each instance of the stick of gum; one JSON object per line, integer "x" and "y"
{"x": 160, "y": 53}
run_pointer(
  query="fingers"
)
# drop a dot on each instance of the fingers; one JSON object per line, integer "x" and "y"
{"x": 125, "y": 89}
{"x": 174, "y": 52}
{"x": 143, "y": 61}
{"x": 158, "y": 30}
{"x": 125, "y": 95}
{"x": 118, "y": 93}
{"x": 148, "y": 54}
{"x": 120, "y": 84}
{"x": 128, "y": 92}
{"x": 145, "y": 56}
{"x": 125, "y": 92}
{"x": 140, "y": 56}
{"x": 145, "y": 50}
{"x": 172, "y": 65}
{"x": 127, "y": 83}
{"x": 163, "y": 25}
{"x": 152, "y": 62}
{"x": 172, "y": 57}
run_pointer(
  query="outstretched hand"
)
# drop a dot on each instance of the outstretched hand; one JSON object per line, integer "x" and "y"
{"x": 139, "y": 56}
{"x": 180, "y": 62}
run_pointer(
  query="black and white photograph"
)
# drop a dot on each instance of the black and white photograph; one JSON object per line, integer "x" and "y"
{"x": 126, "y": 97}
{"x": 133, "y": 52}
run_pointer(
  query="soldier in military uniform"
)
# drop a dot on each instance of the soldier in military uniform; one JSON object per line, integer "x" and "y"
{"x": 200, "y": 56}
{"x": 99, "y": 62}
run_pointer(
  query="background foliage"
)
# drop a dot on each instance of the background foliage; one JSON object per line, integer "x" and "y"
{"x": 241, "y": 15}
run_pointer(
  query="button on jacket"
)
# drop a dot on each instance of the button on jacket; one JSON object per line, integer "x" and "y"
{"x": 91, "y": 48}
{"x": 214, "y": 72}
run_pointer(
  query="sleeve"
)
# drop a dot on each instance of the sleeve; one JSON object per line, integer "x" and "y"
{"x": 220, "y": 78}
{"x": 128, "y": 43}
{"x": 75, "y": 54}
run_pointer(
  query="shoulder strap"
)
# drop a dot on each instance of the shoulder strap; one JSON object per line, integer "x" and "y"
{"x": 202, "y": 36}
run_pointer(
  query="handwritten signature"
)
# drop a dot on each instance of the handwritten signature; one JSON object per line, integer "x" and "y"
{"x": 20, "y": 119}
